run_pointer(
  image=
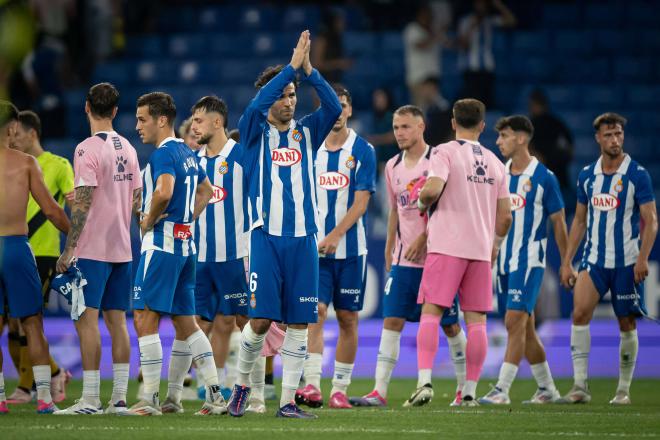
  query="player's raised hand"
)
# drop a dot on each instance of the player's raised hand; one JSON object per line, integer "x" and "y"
{"x": 300, "y": 50}
{"x": 307, "y": 63}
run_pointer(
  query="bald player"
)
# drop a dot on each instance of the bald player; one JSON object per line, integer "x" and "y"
{"x": 20, "y": 286}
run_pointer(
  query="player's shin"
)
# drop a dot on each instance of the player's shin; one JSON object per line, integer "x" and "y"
{"x": 457, "y": 352}
{"x": 388, "y": 356}
{"x": 151, "y": 362}
{"x": 293, "y": 354}
{"x": 427, "y": 346}
{"x": 180, "y": 361}
{"x": 202, "y": 355}
{"x": 475, "y": 356}
{"x": 580, "y": 346}
{"x": 257, "y": 379}
{"x": 249, "y": 352}
{"x": 628, "y": 348}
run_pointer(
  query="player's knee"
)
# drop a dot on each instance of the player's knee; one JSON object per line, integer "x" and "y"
{"x": 451, "y": 330}
{"x": 515, "y": 322}
{"x": 627, "y": 323}
{"x": 394, "y": 324}
{"x": 347, "y": 320}
{"x": 323, "y": 312}
{"x": 581, "y": 316}
{"x": 259, "y": 326}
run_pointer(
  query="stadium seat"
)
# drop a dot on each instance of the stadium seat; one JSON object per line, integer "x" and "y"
{"x": 632, "y": 68}
{"x": 570, "y": 41}
{"x": 641, "y": 13}
{"x": 301, "y": 17}
{"x": 144, "y": 46}
{"x": 530, "y": 41}
{"x": 116, "y": 73}
{"x": 599, "y": 15}
{"x": 391, "y": 44}
{"x": 585, "y": 149}
{"x": 561, "y": 15}
{"x": 358, "y": 43}
{"x": 579, "y": 122}
{"x": 608, "y": 96}
{"x": 640, "y": 96}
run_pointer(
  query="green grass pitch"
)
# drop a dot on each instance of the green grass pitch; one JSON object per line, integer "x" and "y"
{"x": 435, "y": 421}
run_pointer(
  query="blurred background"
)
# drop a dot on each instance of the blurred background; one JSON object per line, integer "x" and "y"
{"x": 560, "y": 62}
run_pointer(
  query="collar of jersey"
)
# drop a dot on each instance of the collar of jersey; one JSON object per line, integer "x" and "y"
{"x": 168, "y": 139}
{"x": 348, "y": 143}
{"x": 598, "y": 169}
{"x": 469, "y": 142}
{"x": 226, "y": 150}
{"x": 426, "y": 152}
{"x": 529, "y": 171}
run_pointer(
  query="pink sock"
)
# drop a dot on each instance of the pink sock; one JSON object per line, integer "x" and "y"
{"x": 427, "y": 340}
{"x": 475, "y": 350}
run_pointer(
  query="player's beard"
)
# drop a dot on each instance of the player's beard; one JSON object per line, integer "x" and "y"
{"x": 205, "y": 139}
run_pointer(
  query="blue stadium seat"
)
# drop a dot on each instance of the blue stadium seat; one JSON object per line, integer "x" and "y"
{"x": 301, "y": 17}
{"x": 579, "y": 122}
{"x": 391, "y": 43}
{"x": 608, "y": 96}
{"x": 608, "y": 40}
{"x": 118, "y": 73}
{"x": 151, "y": 71}
{"x": 530, "y": 41}
{"x": 563, "y": 97}
{"x": 358, "y": 43}
{"x": 640, "y": 96}
{"x": 641, "y": 13}
{"x": 586, "y": 149}
{"x": 632, "y": 68}
{"x": 144, "y": 46}
{"x": 573, "y": 41}
{"x": 608, "y": 15}
{"x": 260, "y": 18}
{"x": 534, "y": 68}
{"x": 187, "y": 45}
{"x": 561, "y": 15}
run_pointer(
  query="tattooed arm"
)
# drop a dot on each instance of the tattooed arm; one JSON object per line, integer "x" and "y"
{"x": 137, "y": 203}
{"x": 79, "y": 211}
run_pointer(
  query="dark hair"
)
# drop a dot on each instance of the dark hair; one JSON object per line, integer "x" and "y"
{"x": 8, "y": 112}
{"x": 160, "y": 104}
{"x": 412, "y": 110}
{"x": 469, "y": 112}
{"x": 538, "y": 96}
{"x": 30, "y": 120}
{"x": 268, "y": 74}
{"x": 340, "y": 90}
{"x": 234, "y": 134}
{"x": 609, "y": 119}
{"x": 212, "y": 104}
{"x": 515, "y": 123}
{"x": 103, "y": 98}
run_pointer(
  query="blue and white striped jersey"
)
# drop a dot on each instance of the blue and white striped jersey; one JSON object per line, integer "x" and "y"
{"x": 535, "y": 195}
{"x": 339, "y": 174}
{"x": 221, "y": 229}
{"x": 172, "y": 234}
{"x": 280, "y": 165}
{"x": 613, "y": 220}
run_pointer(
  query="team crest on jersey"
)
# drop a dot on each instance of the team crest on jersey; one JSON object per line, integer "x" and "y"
{"x": 604, "y": 202}
{"x": 285, "y": 157}
{"x": 333, "y": 180}
{"x": 350, "y": 162}
{"x": 253, "y": 301}
{"x": 296, "y": 135}
{"x": 619, "y": 186}
{"x": 527, "y": 187}
{"x": 517, "y": 201}
{"x": 224, "y": 167}
{"x": 219, "y": 194}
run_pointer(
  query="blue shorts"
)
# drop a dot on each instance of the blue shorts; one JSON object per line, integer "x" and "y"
{"x": 284, "y": 278}
{"x": 519, "y": 290}
{"x": 342, "y": 282}
{"x": 627, "y": 297}
{"x": 400, "y": 299}
{"x": 20, "y": 285}
{"x": 108, "y": 284}
{"x": 221, "y": 289}
{"x": 165, "y": 283}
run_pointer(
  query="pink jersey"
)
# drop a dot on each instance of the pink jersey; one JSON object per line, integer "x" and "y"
{"x": 109, "y": 163}
{"x": 400, "y": 181}
{"x": 463, "y": 222}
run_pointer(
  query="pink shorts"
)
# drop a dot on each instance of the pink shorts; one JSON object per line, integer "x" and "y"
{"x": 444, "y": 275}
{"x": 274, "y": 340}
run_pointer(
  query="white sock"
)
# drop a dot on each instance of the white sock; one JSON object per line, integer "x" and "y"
{"x": 312, "y": 368}
{"x": 628, "y": 348}
{"x": 91, "y": 387}
{"x": 222, "y": 377}
{"x": 541, "y": 373}
{"x": 469, "y": 389}
{"x": 424, "y": 376}
{"x": 388, "y": 355}
{"x": 508, "y": 373}
{"x": 180, "y": 361}
{"x": 457, "y": 351}
{"x": 151, "y": 361}
{"x": 231, "y": 365}
{"x": 249, "y": 352}
{"x": 119, "y": 382}
{"x": 294, "y": 350}
{"x": 341, "y": 379}
{"x": 580, "y": 345}
{"x": 2, "y": 387}
{"x": 258, "y": 379}
{"x": 202, "y": 355}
